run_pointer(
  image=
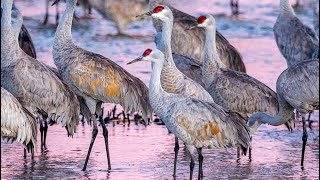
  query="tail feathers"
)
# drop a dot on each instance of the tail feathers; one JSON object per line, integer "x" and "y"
{"x": 242, "y": 131}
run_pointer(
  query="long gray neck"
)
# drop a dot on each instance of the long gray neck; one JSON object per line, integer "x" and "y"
{"x": 286, "y": 8}
{"x": 16, "y": 22}
{"x": 9, "y": 44}
{"x": 63, "y": 34}
{"x": 156, "y": 91}
{"x": 212, "y": 62}
{"x": 284, "y": 114}
{"x": 165, "y": 44}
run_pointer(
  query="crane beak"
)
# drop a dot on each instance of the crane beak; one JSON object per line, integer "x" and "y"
{"x": 147, "y": 14}
{"x": 55, "y": 2}
{"x": 136, "y": 60}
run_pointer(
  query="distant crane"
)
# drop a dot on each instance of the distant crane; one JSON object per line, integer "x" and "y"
{"x": 296, "y": 41}
{"x": 36, "y": 87}
{"x": 95, "y": 78}
{"x": 122, "y": 12}
{"x": 190, "y": 43}
{"x": 17, "y": 123}
{"x": 199, "y": 124}
{"x": 297, "y": 88}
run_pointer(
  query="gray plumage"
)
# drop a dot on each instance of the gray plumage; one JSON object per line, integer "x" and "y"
{"x": 297, "y": 88}
{"x": 96, "y": 78}
{"x": 172, "y": 79}
{"x": 122, "y": 12}
{"x": 190, "y": 43}
{"x": 296, "y": 41}
{"x": 199, "y": 124}
{"x": 37, "y": 89}
{"x": 17, "y": 123}
{"x": 234, "y": 90}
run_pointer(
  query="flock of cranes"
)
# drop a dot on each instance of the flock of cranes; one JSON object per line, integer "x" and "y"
{"x": 198, "y": 87}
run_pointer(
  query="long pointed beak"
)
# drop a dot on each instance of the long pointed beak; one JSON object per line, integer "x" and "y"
{"x": 55, "y": 2}
{"x": 135, "y": 60}
{"x": 145, "y": 14}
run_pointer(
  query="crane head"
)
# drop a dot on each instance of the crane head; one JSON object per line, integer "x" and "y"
{"x": 160, "y": 12}
{"x": 206, "y": 21}
{"x": 150, "y": 55}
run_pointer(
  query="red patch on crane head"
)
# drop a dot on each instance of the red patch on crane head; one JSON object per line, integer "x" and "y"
{"x": 147, "y": 52}
{"x": 158, "y": 9}
{"x": 201, "y": 19}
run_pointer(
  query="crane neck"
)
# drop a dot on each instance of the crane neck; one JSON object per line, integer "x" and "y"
{"x": 165, "y": 43}
{"x": 286, "y": 8}
{"x": 284, "y": 114}
{"x": 212, "y": 62}
{"x": 9, "y": 44}
{"x": 156, "y": 91}
{"x": 16, "y": 22}
{"x": 63, "y": 34}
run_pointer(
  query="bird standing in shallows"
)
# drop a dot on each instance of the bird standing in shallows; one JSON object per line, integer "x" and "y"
{"x": 95, "y": 78}
{"x": 172, "y": 80}
{"x": 199, "y": 124}
{"x": 296, "y": 41}
{"x": 122, "y": 12}
{"x": 190, "y": 43}
{"x": 230, "y": 89}
{"x": 17, "y": 123}
{"x": 36, "y": 87}
{"x": 297, "y": 88}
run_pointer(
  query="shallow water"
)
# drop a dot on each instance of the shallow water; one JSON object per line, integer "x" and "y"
{"x": 147, "y": 153}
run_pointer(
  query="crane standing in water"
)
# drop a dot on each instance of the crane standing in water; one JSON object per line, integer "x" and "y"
{"x": 190, "y": 43}
{"x": 17, "y": 123}
{"x": 296, "y": 41}
{"x": 297, "y": 88}
{"x": 95, "y": 78}
{"x": 199, "y": 124}
{"x": 36, "y": 87}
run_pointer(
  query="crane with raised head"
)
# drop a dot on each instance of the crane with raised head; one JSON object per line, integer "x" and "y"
{"x": 37, "y": 88}
{"x": 199, "y": 124}
{"x": 231, "y": 89}
{"x": 190, "y": 43}
{"x": 296, "y": 41}
{"x": 17, "y": 123}
{"x": 96, "y": 78}
{"x": 297, "y": 89}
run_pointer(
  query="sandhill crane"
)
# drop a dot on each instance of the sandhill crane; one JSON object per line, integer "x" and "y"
{"x": 122, "y": 12}
{"x": 17, "y": 123}
{"x": 199, "y": 124}
{"x": 95, "y": 78}
{"x": 296, "y": 41}
{"x": 297, "y": 88}
{"x": 234, "y": 90}
{"x": 36, "y": 87}
{"x": 190, "y": 43}
{"x": 172, "y": 79}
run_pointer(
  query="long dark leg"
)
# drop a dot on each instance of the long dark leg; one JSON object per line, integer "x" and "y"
{"x": 32, "y": 152}
{"x": 304, "y": 137}
{"x": 57, "y": 13}
{"x": 191, "y": 166}
{"x": 47, "y": 13}
{"x": 238, "y": 153}
{"x": 25, "y": 153}
{"x": 45, "y": 133}
{"x": 105, "y": 135}
{"x": 94, "y": 135}
{"x": 41, "y": 133}
{"x": 200, "y": 173}
{"x": 176, "y": 151}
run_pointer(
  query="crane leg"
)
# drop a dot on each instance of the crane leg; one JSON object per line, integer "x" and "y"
{"x": 41, "y": 133}
{"x": 45, "y": 133}
{"x": 32, "y": 152}
{"x": 24, "y": 153}
{"x": 200, "y": 173}
{"x": 94, "y": 135}
{"x": 105, "y": 135}
{"x": 304, "y": 137}
{"x": 191, "y": 166}
{"x": 57, "y": 13}
{"x": 176, "y": 150}
{"x": 47, "y": 13}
